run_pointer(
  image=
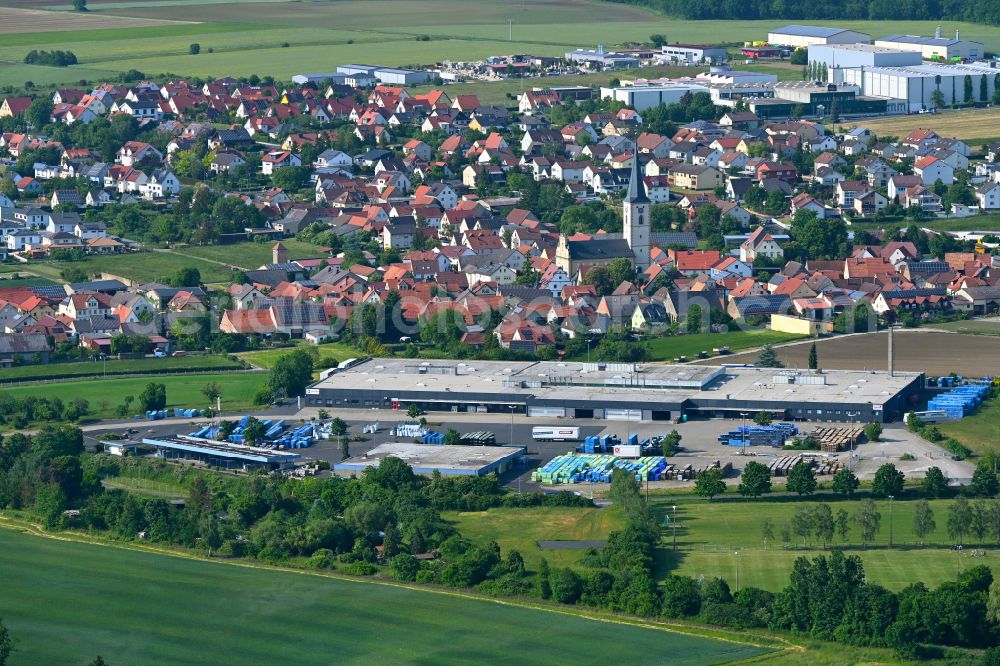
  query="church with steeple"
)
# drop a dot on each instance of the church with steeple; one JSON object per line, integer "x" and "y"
{"x": 574, "y": 256}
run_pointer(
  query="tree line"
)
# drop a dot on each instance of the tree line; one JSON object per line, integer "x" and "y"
{"x": 987, "y": 11}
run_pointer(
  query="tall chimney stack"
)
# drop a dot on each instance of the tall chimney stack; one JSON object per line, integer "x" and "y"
{"x": 937, "y": 32}
{"x": 891, "y": 368}
{"x": 956, "y": 35}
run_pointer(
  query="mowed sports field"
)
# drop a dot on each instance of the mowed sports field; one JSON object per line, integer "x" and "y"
{"x": 286, "y": 38}
{"x": 65, "y": 602}
{"x": 711, "y": 533}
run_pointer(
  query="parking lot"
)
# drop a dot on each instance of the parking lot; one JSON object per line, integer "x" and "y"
{"x": 700, "y": 444}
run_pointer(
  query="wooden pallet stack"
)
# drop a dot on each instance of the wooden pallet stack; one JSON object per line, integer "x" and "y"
{"x": 832, "y": 439}
{"x": 783, "y": 465}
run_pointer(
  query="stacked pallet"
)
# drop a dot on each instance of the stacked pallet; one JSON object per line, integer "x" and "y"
{"x": 699, "y": 471}
{"x": 781, "y": 466}
{"x": 827, "y": 467}
{"x": 836, "y": 439}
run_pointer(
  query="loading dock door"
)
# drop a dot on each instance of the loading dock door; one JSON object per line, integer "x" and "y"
{"x": 547, "y": 411}
{"x": 623, "y": 414}
{"x": 661, "y": 415}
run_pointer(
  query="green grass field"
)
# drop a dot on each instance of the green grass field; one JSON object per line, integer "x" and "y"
{"x": 123, "y": 367}
{"x": 970, "y": 326}
{"x": 669, "y": 348}
{"x": 522, "y": 529}
{"x": 267, "y": 358}
{"x": 250, "y": 255}
{"x": 238, "y": 389}
{"x": 139, "y": 266}
{"x": 65, "y": 602}
{"x": 26, "y": 281}
{"x": 978, "y": 431}
{"x": 710, "y": 533}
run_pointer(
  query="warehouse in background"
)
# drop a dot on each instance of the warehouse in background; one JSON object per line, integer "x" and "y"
{"x": 936, "y": 47}
{"x": 808, "y": 35}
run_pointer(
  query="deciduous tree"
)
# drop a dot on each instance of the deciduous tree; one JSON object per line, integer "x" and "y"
{"x": 845, "y": 482}
{"x": 801, "y": 479}
{"x": 923, "y": 520}
{"x": 756, "y": 480}
{"x": 710, "y": 483}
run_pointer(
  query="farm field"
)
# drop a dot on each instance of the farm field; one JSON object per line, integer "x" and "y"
{"x": 975, "y": 126}
{"x": 116, "y": 367}
{"x": 915, "y": 351}
{"x": 250, "y": 255}
{"x": 382, "y": 31}
{"x": 19, "y": 20}
{"x": 669, "y": 348}
{"x": 238, "y": 389}
{"x": 59, "y": 595}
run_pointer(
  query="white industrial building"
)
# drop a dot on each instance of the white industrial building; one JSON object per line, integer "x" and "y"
{"x": 388, "y": 75}
{"x": 692, "y": 53}
{"x": 730, "y": 77}
{"x": 916, "y": 84}
{"x": 808, "y": 35}
{"x": 936, "y": 47}
{"x": 303, "y": 79}
{"x": 840, "y": 57}
{"x": 641, "y": 97}
{"x": 603, "y": 59}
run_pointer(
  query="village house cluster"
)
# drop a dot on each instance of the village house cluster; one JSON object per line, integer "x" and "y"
{"x": 427, "y": 185}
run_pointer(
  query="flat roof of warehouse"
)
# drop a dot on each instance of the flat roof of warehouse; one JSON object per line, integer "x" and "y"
{"x": 923, "y": 41}
{"x": 510, "y": 381}
{"x": 809, "y": 31}
{"x": 209, "y": 447}
{"x": 425, "y": 458}
{"x": 922, "y": 71}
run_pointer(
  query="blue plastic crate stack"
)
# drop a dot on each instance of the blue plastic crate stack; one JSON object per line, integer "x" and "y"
{"x": 479, "y": 438}
{"x": 432, "y": 437}
{"x": 960, "y": 401}
{"x": 599, "y": 444}
{"x": 755, "y": 435}
{"x": 277, "y": 434}
{"x": 176, "y": 412}
{"x": 588, "y": 468}
{"x": 607, "y": 443}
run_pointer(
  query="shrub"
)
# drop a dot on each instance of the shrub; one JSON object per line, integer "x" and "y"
{"x": 53, "y": 58}
{"x": 360, "y": 569}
